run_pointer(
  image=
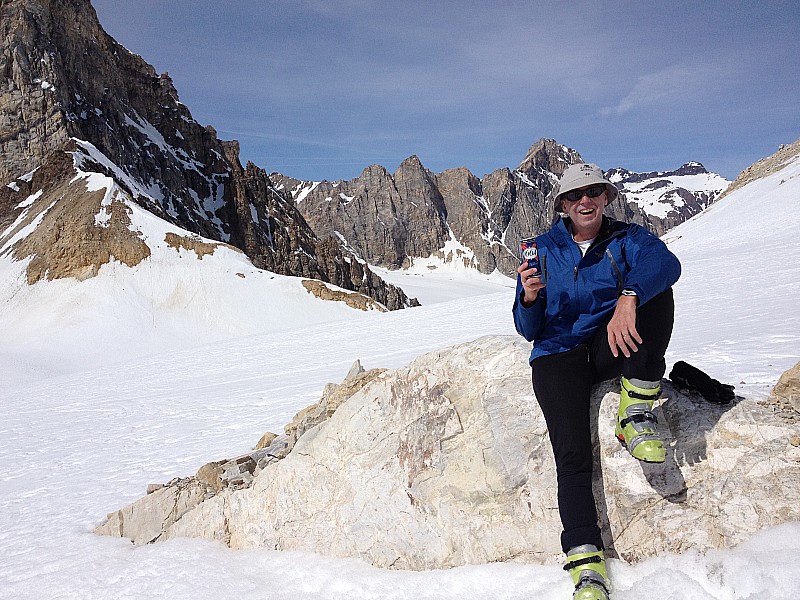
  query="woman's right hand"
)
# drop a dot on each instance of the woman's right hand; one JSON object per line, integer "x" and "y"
{"x": 531, "y": 283}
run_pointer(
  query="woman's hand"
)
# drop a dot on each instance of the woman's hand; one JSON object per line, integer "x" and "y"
{"x": 622, "y": 334}
{"x": 531, "y": 283}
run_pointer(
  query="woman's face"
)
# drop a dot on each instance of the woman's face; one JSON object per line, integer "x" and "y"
{"x": 586, "y": 212}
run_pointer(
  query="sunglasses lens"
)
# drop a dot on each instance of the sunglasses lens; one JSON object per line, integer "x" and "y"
{"x": 592, "y": 192}
{"x": 595, "y": 191}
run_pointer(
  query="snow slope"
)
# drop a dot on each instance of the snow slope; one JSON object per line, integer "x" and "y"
{"x": 176, "y": 298}
{"x": 94, "y": 429}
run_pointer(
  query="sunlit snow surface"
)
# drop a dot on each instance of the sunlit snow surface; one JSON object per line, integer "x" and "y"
{"x": 103, "y": 393}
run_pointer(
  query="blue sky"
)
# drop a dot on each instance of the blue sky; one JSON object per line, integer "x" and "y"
{"x": 320, "y": 89}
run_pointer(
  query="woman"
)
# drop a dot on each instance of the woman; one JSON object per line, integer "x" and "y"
{"x": 600, "y": 307}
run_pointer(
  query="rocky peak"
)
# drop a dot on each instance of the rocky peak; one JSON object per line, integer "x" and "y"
{"x": 623, "y": 176}
{"x": 452, "y": 216}
{"x": 547, "y": 155}
{"x": 65, "y": 78}
{"x": 483, "y": 219}
{"x": 412, "y": 163}
{"x": 691, "y": 168}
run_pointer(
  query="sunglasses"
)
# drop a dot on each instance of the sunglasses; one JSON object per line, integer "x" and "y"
{"x": 592, "y": 192}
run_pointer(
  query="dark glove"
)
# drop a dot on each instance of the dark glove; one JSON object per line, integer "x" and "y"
{"x": 686, "y": 376}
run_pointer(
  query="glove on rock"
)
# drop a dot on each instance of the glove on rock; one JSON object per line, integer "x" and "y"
{"x": 686, "y": 376}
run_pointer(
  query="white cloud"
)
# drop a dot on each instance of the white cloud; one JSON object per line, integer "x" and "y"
{"x": 676, "y": 84}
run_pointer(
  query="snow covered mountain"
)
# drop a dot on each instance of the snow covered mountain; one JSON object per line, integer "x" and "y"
{"x": 68, "y": 83}
{"x": 84, "y": 261}
{"x": 669, "y": 198}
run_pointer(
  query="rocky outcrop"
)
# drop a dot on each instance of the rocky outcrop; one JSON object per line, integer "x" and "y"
{"x": 67, "y": 226}
{"x": 766, "y": 166}
{"x": 352, "y": 299}
{"x": 63, "y": 78}
{"x": 785, "y": 397}
{"x": 447, "y": 462}
{"x": 333, "y": 396}
{"x": 179, "y": 496}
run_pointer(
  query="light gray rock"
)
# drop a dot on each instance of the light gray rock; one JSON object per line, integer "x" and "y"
{"x": 332, "y": 398}
{"x": 169, "y": 503}
{"x": 447, "y": 462}
{"x": 786, "y": 395}
{"x": 356, "y": 369}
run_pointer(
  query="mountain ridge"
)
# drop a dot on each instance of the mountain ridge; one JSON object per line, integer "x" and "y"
{"x": 77, "y": 83}
{"x": 68, "y": 79}
{"x": 485, "y": 216}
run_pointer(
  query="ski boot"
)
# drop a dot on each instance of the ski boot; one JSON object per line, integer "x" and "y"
{"x": 588, "y": 569}
{"x": 636, "y": 423}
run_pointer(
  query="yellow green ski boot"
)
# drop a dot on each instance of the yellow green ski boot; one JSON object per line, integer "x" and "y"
{"x": 636, "y": 423}
{"x": 588, "y": 569}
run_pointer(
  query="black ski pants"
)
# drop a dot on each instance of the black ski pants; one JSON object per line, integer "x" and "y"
{"x": 563, "y": 383}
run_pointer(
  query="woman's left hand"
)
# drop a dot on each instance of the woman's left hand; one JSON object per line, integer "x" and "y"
{"x": 622, "y": 334}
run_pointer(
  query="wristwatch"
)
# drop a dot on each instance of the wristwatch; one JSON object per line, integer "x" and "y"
{"x": 628, "y": 292}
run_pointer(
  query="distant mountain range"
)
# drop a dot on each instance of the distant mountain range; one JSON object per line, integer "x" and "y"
{"x": 74, "y": 101}
{"x": 391, "y": 219}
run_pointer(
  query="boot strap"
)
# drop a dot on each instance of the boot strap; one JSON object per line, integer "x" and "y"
{"x": 595, "y": 582}
{"x": 639, "y": 396}
{"x": 582, "y": 561}
{"x": 642, "y": 417}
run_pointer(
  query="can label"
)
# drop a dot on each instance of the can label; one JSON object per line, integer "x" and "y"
{"x": 530, "y": 253}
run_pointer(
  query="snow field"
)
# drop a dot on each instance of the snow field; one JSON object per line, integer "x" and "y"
{"x": 103, "y": 392}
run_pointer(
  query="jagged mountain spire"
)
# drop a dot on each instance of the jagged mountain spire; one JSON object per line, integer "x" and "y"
{"x": 390, "y": 220}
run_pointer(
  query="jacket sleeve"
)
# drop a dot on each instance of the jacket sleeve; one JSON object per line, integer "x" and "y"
{"x": 529, "y": 321}
{"x": 653, "y": 268}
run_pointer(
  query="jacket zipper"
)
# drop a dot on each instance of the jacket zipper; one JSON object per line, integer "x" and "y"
{"x": 620, "y": 283}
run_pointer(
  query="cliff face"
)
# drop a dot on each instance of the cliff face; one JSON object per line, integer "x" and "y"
{"x": 391, "y": 220}
{"x": 62, "y": 77}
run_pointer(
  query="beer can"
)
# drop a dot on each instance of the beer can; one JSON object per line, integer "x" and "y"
{"x": 531, "y": 254}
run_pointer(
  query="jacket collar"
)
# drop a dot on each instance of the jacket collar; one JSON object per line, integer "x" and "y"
{"x": 609, "y": 228}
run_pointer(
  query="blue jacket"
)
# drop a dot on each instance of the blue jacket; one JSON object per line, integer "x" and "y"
{"x": 581, "y": 292}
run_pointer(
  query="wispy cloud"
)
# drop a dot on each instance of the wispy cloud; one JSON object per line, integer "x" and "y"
{"x": 674, "y": 85}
